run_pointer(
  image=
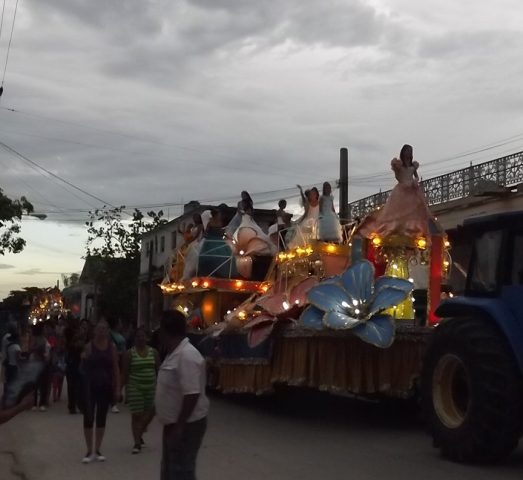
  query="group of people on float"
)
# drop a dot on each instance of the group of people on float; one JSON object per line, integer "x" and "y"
{"x": 405, "y": 213}
{"x": 319, "y": 221}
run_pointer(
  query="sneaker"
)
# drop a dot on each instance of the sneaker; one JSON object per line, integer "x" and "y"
{"x": 100, "y": 457}
{"x": 115, "y": 409}
{"x": 88, "y": 458}
{"x": 43, "y": 408}
{"x": 136, "y": 449}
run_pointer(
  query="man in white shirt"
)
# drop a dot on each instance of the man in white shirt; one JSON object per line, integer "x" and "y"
{"x": 11, "y": 328}
{"x": 181, "y": 403}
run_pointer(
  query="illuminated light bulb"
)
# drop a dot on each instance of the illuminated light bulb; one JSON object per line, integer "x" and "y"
{"x": 205, "y": 284}
{"x": 242, "y": 252}
{"x": 451, "y": 295}
{"x": 265, "y": 288}
{"x": 290, "y": 256}
{"x": 421, "y": 242}
{"x": 344, "y": 304}
{"x": 238, "y": 284}
{"x": 376, "y": 241}
{"x": 350, "y": 244}
{"x": 355, "y": 302}
{"x": 446, "y": 263}
{"x": 242, "y": 315}
{"x": 411, "y": 280}
{"x": 331, "y": 248}
{"x": 286, "y": 306}
{"x": 447, "y": 244}
{"x": 357, "y": 311}
{"x": 297, "y": 302}
{"x": 194, "y": 284}
{"x": 394, "y": 266}
{"x": 185, "y": 309}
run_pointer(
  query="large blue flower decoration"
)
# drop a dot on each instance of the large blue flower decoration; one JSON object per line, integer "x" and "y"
{"x": 353, "y": 301}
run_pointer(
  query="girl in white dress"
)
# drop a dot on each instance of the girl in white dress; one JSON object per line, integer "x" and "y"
{"x": 329, "y": 224}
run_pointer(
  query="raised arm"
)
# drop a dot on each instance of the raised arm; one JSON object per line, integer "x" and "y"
{"x": 303, "y": 197}
{"x": 8, "y": 413}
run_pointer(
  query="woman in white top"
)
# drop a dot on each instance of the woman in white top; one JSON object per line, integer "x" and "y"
{"x": 12, "y": 358}
{"x": 306, "y": 228}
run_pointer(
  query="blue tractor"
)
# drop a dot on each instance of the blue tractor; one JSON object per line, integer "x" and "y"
{"x": 472, "y": 381}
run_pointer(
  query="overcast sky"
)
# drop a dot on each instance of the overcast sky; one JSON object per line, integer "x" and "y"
{"x": 162, "y": 101}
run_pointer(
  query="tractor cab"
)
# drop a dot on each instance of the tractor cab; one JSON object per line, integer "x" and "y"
{"x": 497, "y": 256}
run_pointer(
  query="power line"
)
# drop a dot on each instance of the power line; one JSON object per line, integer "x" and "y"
{"x": 457, "y": 156}
{"x": 10, "y": 39}
{"x": 2, "y": 20}
{"x": 31, "y": 162}
{"x": 235, "y": 168}
{"x": 38, "y": 193}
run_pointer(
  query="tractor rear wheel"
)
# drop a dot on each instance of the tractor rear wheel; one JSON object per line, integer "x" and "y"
{"x": 472, "y": 391}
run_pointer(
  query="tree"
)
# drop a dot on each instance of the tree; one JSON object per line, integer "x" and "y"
{"x": 110, "y": 236}
{"x": 11, "y": 212}
{"x": 117, "y": 242}
{"x": 70, "y": 280}
{"x": 25, "y": 297}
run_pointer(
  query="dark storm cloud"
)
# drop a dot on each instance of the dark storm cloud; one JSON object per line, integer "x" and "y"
{"x": 170, "y": 41}
{"x": 257, "y": 94}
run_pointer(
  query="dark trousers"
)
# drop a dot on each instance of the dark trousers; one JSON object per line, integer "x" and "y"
{"x": 97, "y": 402}
{"x": 43, "y": 387}
{"x": 73, "y": 387}
{"x": 179, "y": 454}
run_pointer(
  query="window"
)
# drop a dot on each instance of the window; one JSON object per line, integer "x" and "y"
{"x": 517, "y": 260}
{"x": 156, "y": 244}
{"x": 173, "y": 240}
{"x": 162, "y": 243}
{"x": 484, "y": 275}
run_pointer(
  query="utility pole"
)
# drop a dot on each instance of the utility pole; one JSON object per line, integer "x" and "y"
{"x": 148, "y": 314}
{"x": 344, "y": 185}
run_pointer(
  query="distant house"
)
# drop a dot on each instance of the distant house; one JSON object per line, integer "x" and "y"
{"x": 158, "y": 248}
{"x": 80, "y": 298}
{"x": 85, "y": 299}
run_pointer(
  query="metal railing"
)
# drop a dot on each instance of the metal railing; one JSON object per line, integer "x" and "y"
{"x": 502, "y": 172}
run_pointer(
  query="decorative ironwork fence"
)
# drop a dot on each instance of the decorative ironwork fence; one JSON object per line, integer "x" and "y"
{"x": 502, "y": 172}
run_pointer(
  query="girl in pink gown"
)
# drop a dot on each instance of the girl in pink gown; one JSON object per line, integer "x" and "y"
{"x": 406, "y": 212}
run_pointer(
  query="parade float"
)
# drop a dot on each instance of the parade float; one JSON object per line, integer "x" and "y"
{"x": 47, "y": 304}
{"x": 335, "y": 316}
